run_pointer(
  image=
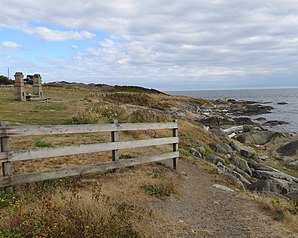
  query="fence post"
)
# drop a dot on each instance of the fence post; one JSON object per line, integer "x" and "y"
{"x": 115, "y": 138}
{"x": 175, "y": 145}
{"x": 6, "y": 165}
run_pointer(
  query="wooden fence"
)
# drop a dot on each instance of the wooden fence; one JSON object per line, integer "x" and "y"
{"x": 7, "y": 156}
{"x": 6, "y": 88}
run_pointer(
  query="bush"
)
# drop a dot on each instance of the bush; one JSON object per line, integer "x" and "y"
{"x": 99, "y": 114}
{"x": 158, "y": 190}
{"x": 42, "y": 143}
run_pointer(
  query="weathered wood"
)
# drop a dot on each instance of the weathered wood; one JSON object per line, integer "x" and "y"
{"x": 175, "y": 146}
{"x": 93, "y": 168}
{"x": 91, "y": 148}
{"x": 3, "y": 155}
{"x": 6, "y": 166}
{"x": 90, "y": 128}
{"x": 115, "y": 138}
{"x": 58, "y": 129}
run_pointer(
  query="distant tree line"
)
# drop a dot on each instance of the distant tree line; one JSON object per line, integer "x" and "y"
{"x": 4, "y": 80}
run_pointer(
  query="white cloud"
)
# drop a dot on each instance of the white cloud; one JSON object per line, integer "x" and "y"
{"x": 56, "y": 35}
{"x": 10, "y": 45}
{"x": 161, "y": 39}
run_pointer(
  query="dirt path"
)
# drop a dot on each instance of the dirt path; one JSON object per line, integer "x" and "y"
{"x": 205, "y": 211}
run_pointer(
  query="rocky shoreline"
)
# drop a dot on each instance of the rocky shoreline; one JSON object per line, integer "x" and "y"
{"x": 250, "y": 154}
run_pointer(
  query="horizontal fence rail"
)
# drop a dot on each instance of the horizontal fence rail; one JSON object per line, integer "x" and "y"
{"x": 7, "y": 157}
{"x": 78, "y": 129}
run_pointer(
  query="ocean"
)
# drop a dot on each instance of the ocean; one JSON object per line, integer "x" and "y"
{"x": 271, "y": 97}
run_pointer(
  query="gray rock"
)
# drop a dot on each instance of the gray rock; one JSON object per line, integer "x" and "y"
{"x": 217, "y": 148}
{"x": 242, "y": 164}
{"x": 253, "y": 164}
{"x": 216, "y": 121}
{"x": 244, "y": 174}
{"x": 261, "y": 186}
{"x": 289, "y": 149}
{"x": 202, "y": 150}
{"x": 248, "y": 152}
{"x": 293, "y": 195}
{"x": 294, "y": 164}
{"x": 279, "y": 186}
{"x": 233, "y": 175}
{"x": 228, "y": 148}
{"x": 257, "y": 137}
{"x": 262, "y": 174}
{"x": 274, "y": 123}
{"x": 236, "y": 145}
{"x": 214, "y": 159}
{"x": 222, "y": 187}
{"x": 243, "y": 121}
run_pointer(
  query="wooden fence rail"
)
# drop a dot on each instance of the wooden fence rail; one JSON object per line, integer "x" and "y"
{"x": 7, "y": 156}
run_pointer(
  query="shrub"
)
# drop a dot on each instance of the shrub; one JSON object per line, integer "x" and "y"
{"x": 99, "y": 114}
{"x": 158, "y": 190}
{"x": 42, "y": 143}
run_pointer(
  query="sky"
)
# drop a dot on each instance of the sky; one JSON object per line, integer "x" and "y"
{"x": 161, "y": 44}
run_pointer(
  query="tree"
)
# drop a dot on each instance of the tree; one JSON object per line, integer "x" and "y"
{"x": 4, "y": 80}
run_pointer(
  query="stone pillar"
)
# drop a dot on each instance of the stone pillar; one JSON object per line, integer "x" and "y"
{"x": 37, "y": 87}
{"x": 19, "y": 88}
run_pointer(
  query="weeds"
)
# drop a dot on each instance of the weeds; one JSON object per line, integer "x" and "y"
{"x": 276, "y": 208}
{"x": 73, "y": 214}
{"x": 42, "y": 143}
{"x": 158, "y": 190}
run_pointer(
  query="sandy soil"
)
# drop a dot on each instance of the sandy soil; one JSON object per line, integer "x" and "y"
{"x": 201, "y": 210}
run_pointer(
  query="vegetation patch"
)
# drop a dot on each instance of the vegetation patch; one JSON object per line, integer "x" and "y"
{"x": 42, "y": 143}
{"x": 160, "y": 189}
{"x": 71, "y": 215}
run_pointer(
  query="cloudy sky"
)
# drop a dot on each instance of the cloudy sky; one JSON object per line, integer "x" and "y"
{"x": 162, "y": 44}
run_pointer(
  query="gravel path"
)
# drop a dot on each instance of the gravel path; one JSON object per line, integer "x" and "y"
{"x": 202, "y": 210}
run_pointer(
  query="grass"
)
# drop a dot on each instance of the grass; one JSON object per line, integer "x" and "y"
{"x": 87, "y": 206}
{"x": 110, "y": 204}
{"x": 279, "y": 209}
{"x": 42, "y": 143}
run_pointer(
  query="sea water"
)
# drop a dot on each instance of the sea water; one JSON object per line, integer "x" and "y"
{"x": 271, "y": 97}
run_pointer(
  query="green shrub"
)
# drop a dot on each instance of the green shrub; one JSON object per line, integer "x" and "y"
{"x": 157, "y": 190}
{"x": 42, "y": 143}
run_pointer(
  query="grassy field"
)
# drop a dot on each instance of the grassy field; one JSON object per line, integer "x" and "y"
{"x": 109, "y": 204}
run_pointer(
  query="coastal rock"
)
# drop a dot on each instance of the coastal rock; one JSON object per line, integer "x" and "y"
{"x": 274, "y": 123}
{"x": 218, "y": 148}
{"x": 236, "y": 145}
{"x": 279, "y": 186}
{"x": 253, "y": 164}
{"x": 294, "y": 164}
{"x": 248, "y": 152}
{"x": 214, "y": 159}
{"x": 243, "y": 121}
{"x": 244, "y": 174}
{"x": 222, "y": 187}
{"x": 261, "y": 186}
{"x": 262, "y": 174}
{"x": 282, "y": 103}
{"x": 242, "y": 164}
{"x": 216, "y": 121}
{"x": 235, "y": 176}
{"x": 228, "y": 148}
{"x": 257, "y": 137}
{"x": 261, "y": 119}
{"x": 247, "y": 108}
{"x": 289, "y": 149}
{"x": 293, "y": 195}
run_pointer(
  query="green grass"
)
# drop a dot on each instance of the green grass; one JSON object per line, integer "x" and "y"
{"x": 42, "y": 143}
